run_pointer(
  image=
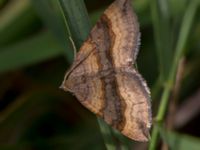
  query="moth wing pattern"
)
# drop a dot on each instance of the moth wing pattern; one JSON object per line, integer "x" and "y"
{"x": 103, "y": 78}
{"x": 86, "y": 60}
{"x": 124, "y": 23}
{"x": 88, "y": 91}
{"x": 136, "y": 95}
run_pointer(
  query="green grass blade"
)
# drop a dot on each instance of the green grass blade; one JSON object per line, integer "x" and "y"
{"x": 11, "y": 11}
{"x": 177, "y": 141}
{"x": 49, "y": 12}
{"x": 179, "y": 51}
{"x": 107, "y": 134}
{"x": 182, "y": 40}
{"x": 77, "y": 20}
{"x": 16, "y": 19}
{"x": 48, "y": 15}
{"x": 162, "y": 34}
{"x": 29, "y": 52}
{"x": 184, "y": 34}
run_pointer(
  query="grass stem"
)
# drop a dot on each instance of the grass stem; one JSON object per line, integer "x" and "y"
{"x": 179, "y": 51}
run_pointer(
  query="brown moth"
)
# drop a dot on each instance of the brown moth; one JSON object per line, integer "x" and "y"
{"x": 102, "y": 76}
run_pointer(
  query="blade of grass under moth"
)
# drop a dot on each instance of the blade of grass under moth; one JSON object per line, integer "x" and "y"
{"x": 107, "y": 134}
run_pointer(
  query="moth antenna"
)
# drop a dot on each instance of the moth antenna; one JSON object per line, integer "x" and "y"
{"x": 74, "y": 46}
{"x": 61, "y": 86}
{"x": 73, "y": 67}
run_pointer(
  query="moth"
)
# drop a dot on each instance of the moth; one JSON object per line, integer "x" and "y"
{"x": 103, "y": 77}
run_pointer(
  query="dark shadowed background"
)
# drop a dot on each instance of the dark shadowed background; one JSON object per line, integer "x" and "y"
{"x": 35, "y": 52}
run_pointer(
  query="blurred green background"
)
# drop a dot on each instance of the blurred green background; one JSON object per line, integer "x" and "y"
{"x": 35, "y": 52}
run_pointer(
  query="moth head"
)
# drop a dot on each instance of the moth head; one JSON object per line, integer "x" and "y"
{"x": 71, "y": 82}
{"x": 67, "y": 84}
